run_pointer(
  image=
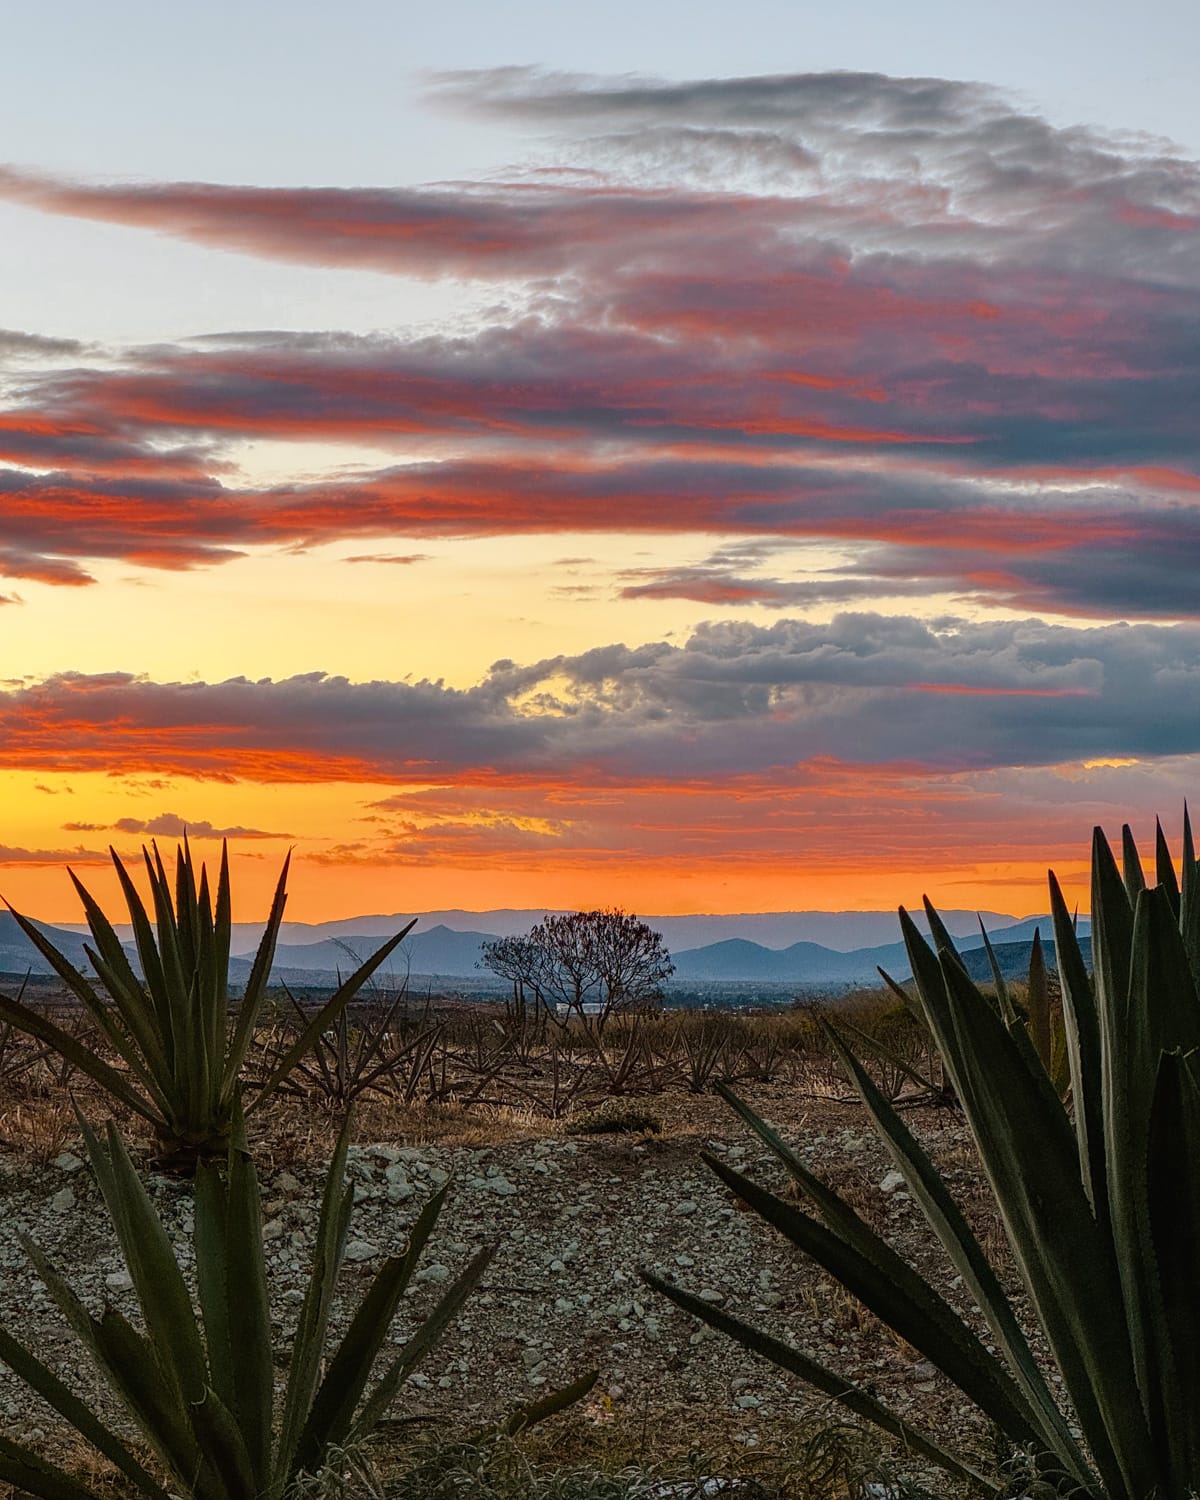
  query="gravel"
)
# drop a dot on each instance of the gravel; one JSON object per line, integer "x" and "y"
{"x": 573, "y": 1220}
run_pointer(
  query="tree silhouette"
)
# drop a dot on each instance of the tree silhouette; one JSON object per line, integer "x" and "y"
{"x": 586, "y": 964}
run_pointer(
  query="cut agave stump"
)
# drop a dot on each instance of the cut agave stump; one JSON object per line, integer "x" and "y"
{"x": 182, "y": 1056}
{"x": 1096, "y": 1183}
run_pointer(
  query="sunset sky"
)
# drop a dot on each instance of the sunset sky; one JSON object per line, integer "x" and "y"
{"x": 694, "y": 457}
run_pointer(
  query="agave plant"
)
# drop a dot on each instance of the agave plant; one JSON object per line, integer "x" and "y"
{"x": 1100, "y": 1198}
{"x": 201, "y": 1389}
{"x": 170, "y": 1028}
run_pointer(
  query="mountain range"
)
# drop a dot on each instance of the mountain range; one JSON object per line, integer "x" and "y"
{"x": 442, "y": 952}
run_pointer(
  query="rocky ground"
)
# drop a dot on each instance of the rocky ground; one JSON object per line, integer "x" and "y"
{"x": 574, "y": 1218}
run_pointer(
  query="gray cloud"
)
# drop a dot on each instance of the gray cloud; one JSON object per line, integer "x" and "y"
{"x": 17, "y": 345}
{"x": 735, "y": 698}
{"x": 171, "y": 825}
{"x": 712, "y": 585}
{"x": 15, "y": 855}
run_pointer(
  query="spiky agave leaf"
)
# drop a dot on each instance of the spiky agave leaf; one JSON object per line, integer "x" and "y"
{"x": 200, "y": 1387}
{"x": 183, "y": 1062}
{"x": 1101, "y": 1211}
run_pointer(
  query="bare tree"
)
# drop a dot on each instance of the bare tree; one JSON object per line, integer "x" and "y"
{"x": 521, "y": 962}
{"x": 631, "y": 960}
{"x": 586, "y": 964}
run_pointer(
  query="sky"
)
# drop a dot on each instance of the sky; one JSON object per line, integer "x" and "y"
{"x": 688, "y": 457}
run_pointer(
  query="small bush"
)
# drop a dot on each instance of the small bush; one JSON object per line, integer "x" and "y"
{"x": 616, "y": 1119}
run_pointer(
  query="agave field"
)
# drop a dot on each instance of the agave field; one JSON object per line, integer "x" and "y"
{"x": 968, "y": 1225}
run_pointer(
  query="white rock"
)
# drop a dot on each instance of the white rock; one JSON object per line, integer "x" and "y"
{"x": 891, "y": 1182}
{"x": 361, "y": 1250}
{"x": 68, "y": 1162}
{"x": 118, "y": 1281}
{"x": 435, "y": 1272}
{"x": 63, "y": 1201}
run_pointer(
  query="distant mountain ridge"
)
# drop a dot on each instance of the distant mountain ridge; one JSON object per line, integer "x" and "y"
{"x": 442, "y": 953}
{"x": 19, "y": 956}
{"x": 810, "y": 963}
{"x": 842, "y": 931}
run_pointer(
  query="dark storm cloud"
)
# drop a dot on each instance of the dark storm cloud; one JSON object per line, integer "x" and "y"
{"x": 735, "y": 699}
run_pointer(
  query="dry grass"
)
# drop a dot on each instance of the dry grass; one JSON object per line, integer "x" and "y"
{"x": 487, "y": 1079}
{"x": 598, "y": 1456}
{"x": 487, "y": 1082}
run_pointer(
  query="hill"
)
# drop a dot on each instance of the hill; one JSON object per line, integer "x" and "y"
{"x": 438, "y": 953}
{"x": 812, "y": 964}
{"x": 19, "y": 956}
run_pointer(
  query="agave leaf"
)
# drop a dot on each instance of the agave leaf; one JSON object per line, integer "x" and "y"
{"x": 175, "y": 979}
{"x": 223, "y": 1443}
{"x": 1007, "y": 1009}
{"x": 1173, "y": 1193}
{"x": 851, "y": 1396}
{"x": 30, "y": 1474}
{"x": 39, "y": 1378}
{"x": 79, "y": 986}
{"x": 186, "y": 904}
{"x": 222, "y": 925}
{"x": 550, "y": 1405}
{"x": 419, "y": 1345}
{"x": 212, "y": 1001}
{"x": 209, "y": 1237}
{"x": 145, "y": 1062}
{"x": 1165, "y": 868}
{"x": 128, "y": 1363}
{"x": 260, "y": 973}
{"x": 139, "y": 1379}
{"x": 1039, "y": 1002}
{"x": 121, "y": 982}
{"x": 34, "y": 1024}
{"x": 330, "y": 1415}
{"x": 328, "y": 1013}
{"x": 61, "y": 965}
{"x": 194, "y": 1068}
{"x": 947, "y": 1221}
{"x": 308, "y": 1342}
{"x": 1164, "y": 1015}
{"x": 161, "y": 1290}
{"x": 1082, "y": 1032}
{"x": 1135, "y": 880}
{"x": 877, "y": 1276}
{"x": 250, "y": 1314}
{"x": 1189, "y": 904}
{"x": 881, "y": 1049}
{"x": 151, "y": 963}
{"x": 1030, "y": 1155}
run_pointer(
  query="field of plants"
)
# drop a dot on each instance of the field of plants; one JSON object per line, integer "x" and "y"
{"x": 937, "y": 1236}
